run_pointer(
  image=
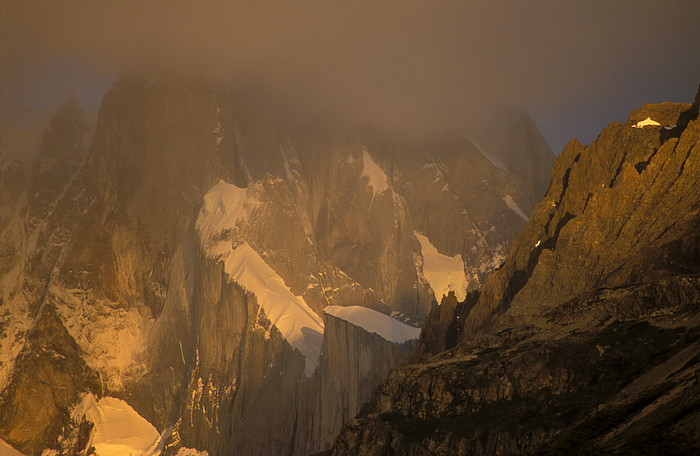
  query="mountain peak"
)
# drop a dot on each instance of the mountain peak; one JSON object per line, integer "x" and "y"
{"x": 581, "y": 342}
{"x": 608, "y": 211}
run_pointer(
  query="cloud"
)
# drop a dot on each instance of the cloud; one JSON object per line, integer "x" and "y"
{"x": 409, "y": 65}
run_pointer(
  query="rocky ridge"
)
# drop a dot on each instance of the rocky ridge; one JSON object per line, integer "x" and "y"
{"x": 587, "y": 339}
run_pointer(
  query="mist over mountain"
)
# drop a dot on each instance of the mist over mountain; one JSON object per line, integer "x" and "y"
{"x": 240, "y": 286}
{"x": 412, "y": 67}
{"x": 585, "y": 340}
{"x": 277, "y": 228}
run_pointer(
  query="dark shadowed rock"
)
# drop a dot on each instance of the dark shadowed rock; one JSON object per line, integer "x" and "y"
{"x": 63, "y": 149}
{"x": 48, "y": 378}
{"x": 12, "y": 184}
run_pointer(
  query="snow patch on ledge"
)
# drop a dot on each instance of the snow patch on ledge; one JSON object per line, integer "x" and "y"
{"x": 648, "y": 122}
{"x": 225, "y": 206}
{"x": 443, "y": 273}
{"x": 375, "y": 322}
{"x": 513, "y": 206}
{"x": 375, "y": 175}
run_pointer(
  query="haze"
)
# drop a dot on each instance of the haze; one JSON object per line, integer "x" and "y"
{"x": 409, "y": 66}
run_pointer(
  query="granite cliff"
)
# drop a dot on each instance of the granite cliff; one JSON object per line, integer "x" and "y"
{"x": 180, "y": 257}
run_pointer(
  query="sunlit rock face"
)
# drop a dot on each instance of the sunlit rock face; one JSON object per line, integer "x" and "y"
{"x": 621, "y": 211}
{"x": 586, "y": 341}
{"x": 107, "y": 243}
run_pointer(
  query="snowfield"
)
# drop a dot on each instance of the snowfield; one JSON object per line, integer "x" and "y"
{"x": 119, "y": 430}
{"x": 375, "y": 322}
{"x": 443, "y": 273}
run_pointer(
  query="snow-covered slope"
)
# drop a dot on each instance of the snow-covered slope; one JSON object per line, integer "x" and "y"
{"x": 443, "y": 273}
{"x": 299, "y": 325}
{"x": 375, "y": 322}
{"x": 119, "y": 429}
{"x": 224, "y": 206}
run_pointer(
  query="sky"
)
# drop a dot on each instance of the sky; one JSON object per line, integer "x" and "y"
{"x": 412, "y": 66}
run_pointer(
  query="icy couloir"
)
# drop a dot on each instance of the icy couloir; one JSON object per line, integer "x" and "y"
{"x": 224, "y": 205}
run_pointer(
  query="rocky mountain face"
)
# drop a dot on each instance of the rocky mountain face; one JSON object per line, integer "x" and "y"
{"x": 523, "y": 150}
{"x": 183, "y": 261}
{"x": 12, "y": 184}
{"x": 587, "y": 339}
{"x": 465, "y": 201}
{"x": 346, "y": 346}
